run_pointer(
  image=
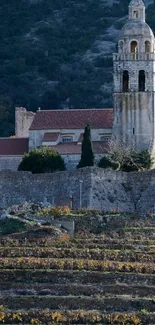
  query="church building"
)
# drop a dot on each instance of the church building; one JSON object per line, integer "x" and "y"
{"x": 132, "y": 120}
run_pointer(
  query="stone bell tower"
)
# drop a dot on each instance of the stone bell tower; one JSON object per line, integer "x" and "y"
{"x": 134, "y": 81}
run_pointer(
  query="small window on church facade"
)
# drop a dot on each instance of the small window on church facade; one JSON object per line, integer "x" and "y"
{"x": 134, "y": 47}
{"x": 125, "y": 81}
{"x": 67, "y": 139}
{"x": 147, "y": 47}
{"x": 136, "y": 14}
{"x": 141, "y": 80}
{"x": 105, "y": 137}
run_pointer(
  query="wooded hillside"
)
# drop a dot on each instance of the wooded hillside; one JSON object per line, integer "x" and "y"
{"x": 56, "y": 54}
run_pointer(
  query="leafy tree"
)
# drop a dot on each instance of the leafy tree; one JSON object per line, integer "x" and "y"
{"x": 87, "y": 155}
{"x": 45, "y": 160}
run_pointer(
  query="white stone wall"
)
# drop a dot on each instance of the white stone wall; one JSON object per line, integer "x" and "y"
{"x": 134, "y": 119}
{"x": 36, "y": 136}
{"x": 133, "y": 110}
{"x": 23, "y": 121}
{"x": 133, "y": 67}
{"x": 10, "y": 162}
{"x": 72, "y": 161}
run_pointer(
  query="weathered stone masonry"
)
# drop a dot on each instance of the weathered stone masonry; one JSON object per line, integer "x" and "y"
{"x": 103, "y": 190}
{"x": 134, "y": 81}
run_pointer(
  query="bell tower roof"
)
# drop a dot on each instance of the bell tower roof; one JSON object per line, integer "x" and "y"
{"x": 136, "y": 3}
{"x": 137, "y": 10}
{"x": 136, "y": 26}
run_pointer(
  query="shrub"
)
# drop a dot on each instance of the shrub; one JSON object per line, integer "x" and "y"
{"x": 45, "y": 160}
{"x": 127, "y": 161}
{"x": 144, "y": 159}
{"x": 59, "y": 211}
{"x": 138, "y": 161}
{"x": 106, "y": 162}
{"x": 10, "y": 226}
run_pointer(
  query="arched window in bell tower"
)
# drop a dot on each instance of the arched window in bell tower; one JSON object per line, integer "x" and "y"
{"x": 141, "y": 80}
{"x": 134, "y": 47}
{"x": 135, "y": 14}
{"x": 147, "y": 47}
{"x": 125, "y": 81}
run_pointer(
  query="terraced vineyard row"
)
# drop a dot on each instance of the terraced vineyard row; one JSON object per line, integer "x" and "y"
{"x": 72, "y": 253}
{"x": 106, "y": 278}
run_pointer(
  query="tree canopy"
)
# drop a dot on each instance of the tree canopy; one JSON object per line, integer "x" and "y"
{"x": 44, "y": 160}
{"x": 50, "y": 58}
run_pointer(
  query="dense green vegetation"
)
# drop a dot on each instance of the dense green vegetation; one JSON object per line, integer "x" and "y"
{"x": 50, "y": 55}
{"x": 128, "y": 161}
{"x": 44, "y": 160}
{"x": 87, "y": 155}
{"x": 11, "y": 226}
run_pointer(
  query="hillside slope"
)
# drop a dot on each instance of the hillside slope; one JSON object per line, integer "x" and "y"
{"x": 105, "y": 274}
{"x": 57, "y": 54}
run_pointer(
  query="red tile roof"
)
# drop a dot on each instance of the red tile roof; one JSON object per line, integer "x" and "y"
{"x": 62, "y": 148}
{"x": 73, "y": 119}
{"x": 48, "y": 137}
{"x": 13, "y": 146}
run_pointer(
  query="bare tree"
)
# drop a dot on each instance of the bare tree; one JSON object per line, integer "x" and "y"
{"x": 119, "y": 149}
{"x": 127, "y": 157}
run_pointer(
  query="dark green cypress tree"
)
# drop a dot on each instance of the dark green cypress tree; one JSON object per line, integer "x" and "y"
{"x": 87, "y": 155}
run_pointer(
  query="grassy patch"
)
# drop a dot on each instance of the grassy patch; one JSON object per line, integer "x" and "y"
{"x": 9, "y": 226}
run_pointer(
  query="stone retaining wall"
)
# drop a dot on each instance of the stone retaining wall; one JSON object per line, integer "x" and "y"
{"x": 10, "y": 162}
{"x": 100, "y": 189}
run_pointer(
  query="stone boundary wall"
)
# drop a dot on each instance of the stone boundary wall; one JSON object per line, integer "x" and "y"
{"x": 129, "y": 192}
{"x": 71, "y": 161}
{"x": 56, "y": 188}
{"x": 10, "y": 162}
{"x": 100, "y": 189}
